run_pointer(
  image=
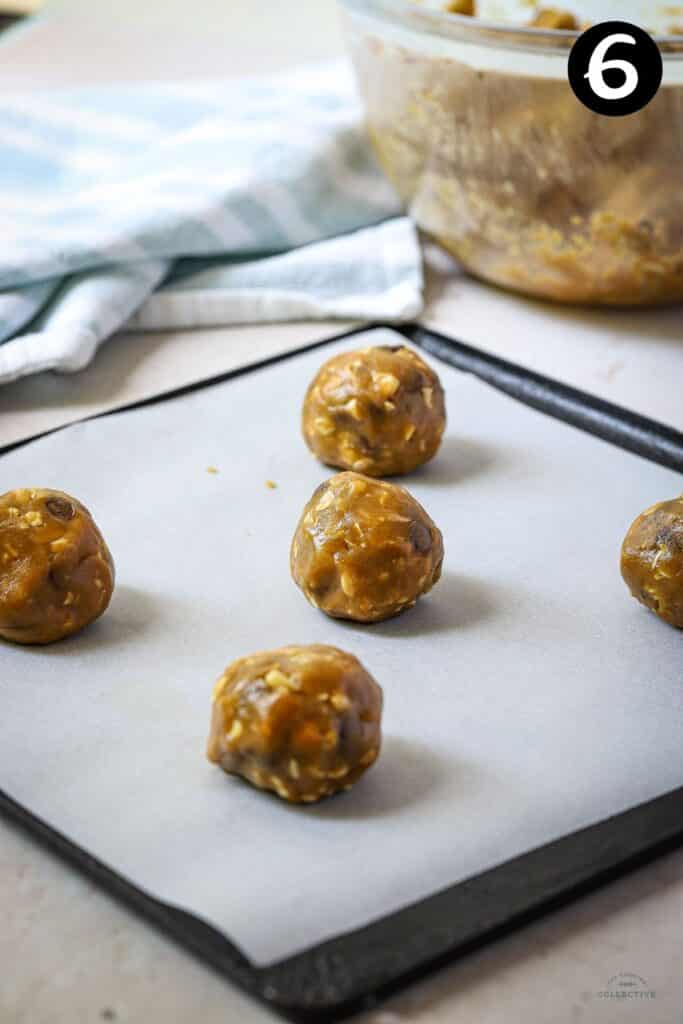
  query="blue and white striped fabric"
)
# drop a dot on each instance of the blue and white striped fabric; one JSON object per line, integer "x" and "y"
{"x": 183, "y": 204}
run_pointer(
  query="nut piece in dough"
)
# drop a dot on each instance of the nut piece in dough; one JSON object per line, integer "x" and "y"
{"x": 364, "y": 549}
{"x": 378, "y": 410}
{"x": 652, "y": 560}
{"x": 56, "y": 572}
{"x": 301, "y": 721}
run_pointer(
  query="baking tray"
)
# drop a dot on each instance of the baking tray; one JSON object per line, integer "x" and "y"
{"x": 352, "y": 966}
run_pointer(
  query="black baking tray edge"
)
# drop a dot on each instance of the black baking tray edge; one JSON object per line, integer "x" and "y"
{"x": 353, "y": 971}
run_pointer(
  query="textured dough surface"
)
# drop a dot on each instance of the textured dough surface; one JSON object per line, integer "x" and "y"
{"x": 652, "y": 560}
{"x": 525, "y": 186}
{"x": 379, "y": 411}
{"x": 301, "y": 721}
{"x": 365, "y": 549}
{"x": 56, "y": 572}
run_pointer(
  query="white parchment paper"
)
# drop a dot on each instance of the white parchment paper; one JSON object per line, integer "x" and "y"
{"x": 527, "y": 696}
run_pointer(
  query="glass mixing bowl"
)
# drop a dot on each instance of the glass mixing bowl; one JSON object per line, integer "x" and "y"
{"x": 495, "y": 158}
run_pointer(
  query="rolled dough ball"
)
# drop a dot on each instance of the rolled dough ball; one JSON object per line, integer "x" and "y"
{"x": 364, "y": 549}
{"x": 56, "y": 572}
{"x": 652, "y": 560}
{"x": 379, "y": 411}
{"x": 301, "y": 721}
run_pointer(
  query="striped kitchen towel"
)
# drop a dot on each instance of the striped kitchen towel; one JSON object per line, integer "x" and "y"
{"x": 176, "y": 205}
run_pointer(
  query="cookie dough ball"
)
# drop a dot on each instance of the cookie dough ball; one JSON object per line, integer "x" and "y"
{"x": 652, "y": 560}
{"x": 379, "y": 411}
{"x": 302, "y": 721}
{"x": 56, "y": 573}
{"x": 364, "y": 549}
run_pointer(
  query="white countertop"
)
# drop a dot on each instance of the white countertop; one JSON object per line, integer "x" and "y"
{"x": 69, "y": 953}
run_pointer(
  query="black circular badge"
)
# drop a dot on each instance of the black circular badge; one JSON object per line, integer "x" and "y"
{"x": 615, "y": 68}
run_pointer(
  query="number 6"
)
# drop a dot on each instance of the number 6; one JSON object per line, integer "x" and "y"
{"x": 598, "y": 65}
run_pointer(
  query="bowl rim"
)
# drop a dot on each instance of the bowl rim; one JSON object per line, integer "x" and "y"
{"x": 464, "y": 26}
